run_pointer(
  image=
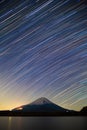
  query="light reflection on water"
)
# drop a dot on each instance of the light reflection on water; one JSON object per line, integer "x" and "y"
{"x": 43, "y": 123}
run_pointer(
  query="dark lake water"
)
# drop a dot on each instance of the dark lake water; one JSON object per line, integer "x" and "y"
{"x": 43, "y": 123}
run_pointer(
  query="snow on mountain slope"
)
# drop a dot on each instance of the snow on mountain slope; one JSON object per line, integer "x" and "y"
{"x": 41, "y": 101}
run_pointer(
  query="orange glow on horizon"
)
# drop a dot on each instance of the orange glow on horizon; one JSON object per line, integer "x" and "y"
{"x": 10, "y": 107}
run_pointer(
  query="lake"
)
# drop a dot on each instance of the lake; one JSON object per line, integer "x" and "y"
{"x": 43, "y": 123}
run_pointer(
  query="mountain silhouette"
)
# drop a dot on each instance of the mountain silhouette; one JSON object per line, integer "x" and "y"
{"x": 41, "y": 105}
{"x": 84, "y": 109}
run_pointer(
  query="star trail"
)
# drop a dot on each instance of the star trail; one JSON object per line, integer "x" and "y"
{"x": 43, "y": 52}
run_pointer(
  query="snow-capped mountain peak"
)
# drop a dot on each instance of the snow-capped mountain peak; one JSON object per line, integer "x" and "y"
{"x": 41, "y": 101}
{"x": 41, "y": 105}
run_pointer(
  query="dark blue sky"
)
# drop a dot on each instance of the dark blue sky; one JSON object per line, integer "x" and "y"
{"x": 43, "y": 52}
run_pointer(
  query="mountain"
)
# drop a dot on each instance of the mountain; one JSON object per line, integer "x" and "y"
{"x": 84, "y": 109}
{"x": 41, "y": 105}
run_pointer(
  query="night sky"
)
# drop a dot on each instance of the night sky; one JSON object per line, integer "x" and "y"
{"x": 43, "y": 52}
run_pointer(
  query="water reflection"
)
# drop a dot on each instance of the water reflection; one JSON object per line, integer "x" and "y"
{"x": 43, "y": 123}
{"x": 9, "y": 123}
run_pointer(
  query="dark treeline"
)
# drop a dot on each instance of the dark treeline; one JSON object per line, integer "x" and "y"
{"x": 21, "y": 113}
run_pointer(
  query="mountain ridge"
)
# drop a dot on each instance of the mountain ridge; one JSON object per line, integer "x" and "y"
{"x": 84, "y": 109}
